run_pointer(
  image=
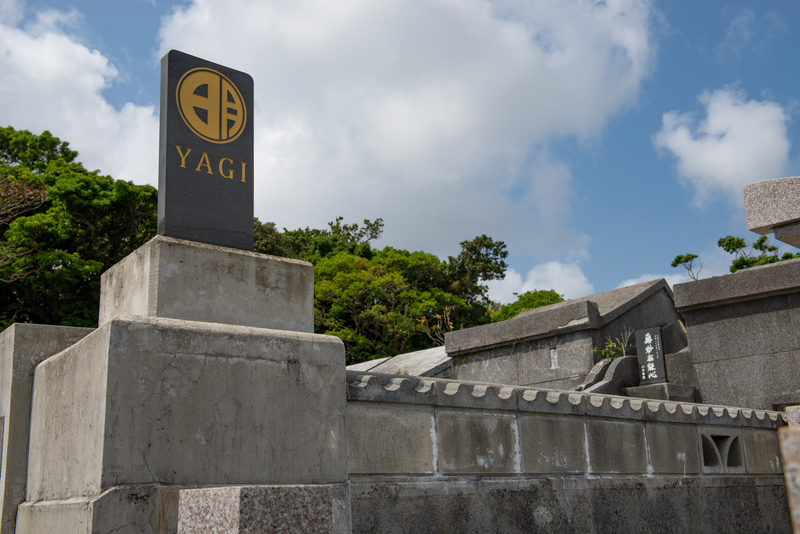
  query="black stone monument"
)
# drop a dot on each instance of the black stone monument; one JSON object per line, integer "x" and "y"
{"x": 205, "y": 174}
{"x": 650, "y": 353}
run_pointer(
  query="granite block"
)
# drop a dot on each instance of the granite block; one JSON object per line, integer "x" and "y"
{"x": 771, "y": 203}
{"x": 790, "y": 454}
{"x": 793, "y": 415}
{"x": 265, "y": 509}
{"x": 789, "y": 234}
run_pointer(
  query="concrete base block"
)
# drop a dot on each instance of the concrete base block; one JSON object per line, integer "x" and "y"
{"x": 22, "y": 348}
{"x": 671, "y": 392}
{"x": 248, "y": 509}
{"x": 139, "y": 509}
{"x": 181, "y": 403}
{"x": 178, "y": 279}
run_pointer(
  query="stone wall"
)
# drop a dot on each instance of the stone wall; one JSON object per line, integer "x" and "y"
{"x": 506, "y": 459}
{"x": 553, "y": 347}
{"x": 743, "y": 337}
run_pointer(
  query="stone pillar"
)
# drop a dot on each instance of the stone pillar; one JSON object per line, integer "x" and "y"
{"x": 172, "y": 396}
{"x": 22, "y": 347}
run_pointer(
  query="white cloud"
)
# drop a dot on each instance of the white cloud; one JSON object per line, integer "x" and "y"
{"x": 738, "y": 142}
{"x": 565, "y": 278}
{"x": 423, "y": 112}
{"x": 11, "y": 12}
{"x": 52, "y": 82}
{"x": 740, "y": 32}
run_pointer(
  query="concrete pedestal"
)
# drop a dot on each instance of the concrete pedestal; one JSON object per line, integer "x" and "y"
{"x": 22, "y": 347}
{"x": 179, "y": 279}
{"x": 149, "y": 401}
{"x": 203, "y": 373}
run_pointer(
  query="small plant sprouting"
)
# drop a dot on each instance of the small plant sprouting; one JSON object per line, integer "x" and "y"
{"x": 617, "y": 347}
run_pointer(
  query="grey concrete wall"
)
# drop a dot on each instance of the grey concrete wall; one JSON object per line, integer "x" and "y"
{"x": 570, "y": 504}
{"x": 530, "y": 362}
{"x": 744, "y": 344}
{"x": 520, "y": 351}
{"x": 22, "y": 347}
{"x": 144, "y": 401}
{"x": 179, "y": 279}
{"x": 470, "y": 445}
{"x": 408, "y": 425}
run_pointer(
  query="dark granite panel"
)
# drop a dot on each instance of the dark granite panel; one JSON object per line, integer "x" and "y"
{"x": 205, "y": 179}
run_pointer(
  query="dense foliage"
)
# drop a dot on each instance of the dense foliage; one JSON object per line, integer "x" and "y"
{"x": 760, "y": 253}
{"x": 62, "y": 227}
{"x": 385, "y": 302}
{"x": 744, "y": 258}
{"x": 526, "y": 301}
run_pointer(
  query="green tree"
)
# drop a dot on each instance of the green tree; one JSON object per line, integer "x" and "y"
{"x": 744, "y": 258}
{"x": 687, "y": 261}
{"x": 527, "y": 301}
{"x": 268, "y": 240}
{"x": 57, "y": 253}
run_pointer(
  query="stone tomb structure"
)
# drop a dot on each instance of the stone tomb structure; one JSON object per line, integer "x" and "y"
{"x": 204, "y": 402}
{"x": 179, "y": 388}
{"x": 553, "y": 347}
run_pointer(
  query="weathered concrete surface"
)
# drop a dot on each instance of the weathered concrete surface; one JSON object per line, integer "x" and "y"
{"x": 772, "y": 204}
{"x": 428, "y": 362}
{"x": 22, "y": 348}
{"x": 319, "y": 509}
{"x": 472, "y": 443}
{"x": 136, "y": 509}
{"x": 570, "y": 504}
{"x": 553, "y": 347}
{"x": 402, "y": 446}
{"x": 744, "y": 346}
{"x": 163, "y": 401}
{"x": 622, "y": 373}
{"x": 178, "y": 279}
{"x": 662, "y": 392}
{"x": 366, "y": 366}
{"x": 434, "y": 427}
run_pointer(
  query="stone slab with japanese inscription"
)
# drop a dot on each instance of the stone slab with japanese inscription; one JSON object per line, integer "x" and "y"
{"x": 650, "y": 352}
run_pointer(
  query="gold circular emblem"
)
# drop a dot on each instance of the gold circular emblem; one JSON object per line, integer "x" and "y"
{"x": 211, "y": 105}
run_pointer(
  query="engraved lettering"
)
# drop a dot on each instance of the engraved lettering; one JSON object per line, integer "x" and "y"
{"x": 222, "y": 171}
{"x": 182, "y": 155}
{"x": 243, "y": 164}
{"x": 207, "y": 164}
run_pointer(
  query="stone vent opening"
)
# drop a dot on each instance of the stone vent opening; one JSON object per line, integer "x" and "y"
{"x": 711, "y": 456}
{"x": 735, "y": 453}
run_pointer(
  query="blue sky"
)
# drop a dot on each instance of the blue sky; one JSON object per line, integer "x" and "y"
{"x": 597, "y": 139}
